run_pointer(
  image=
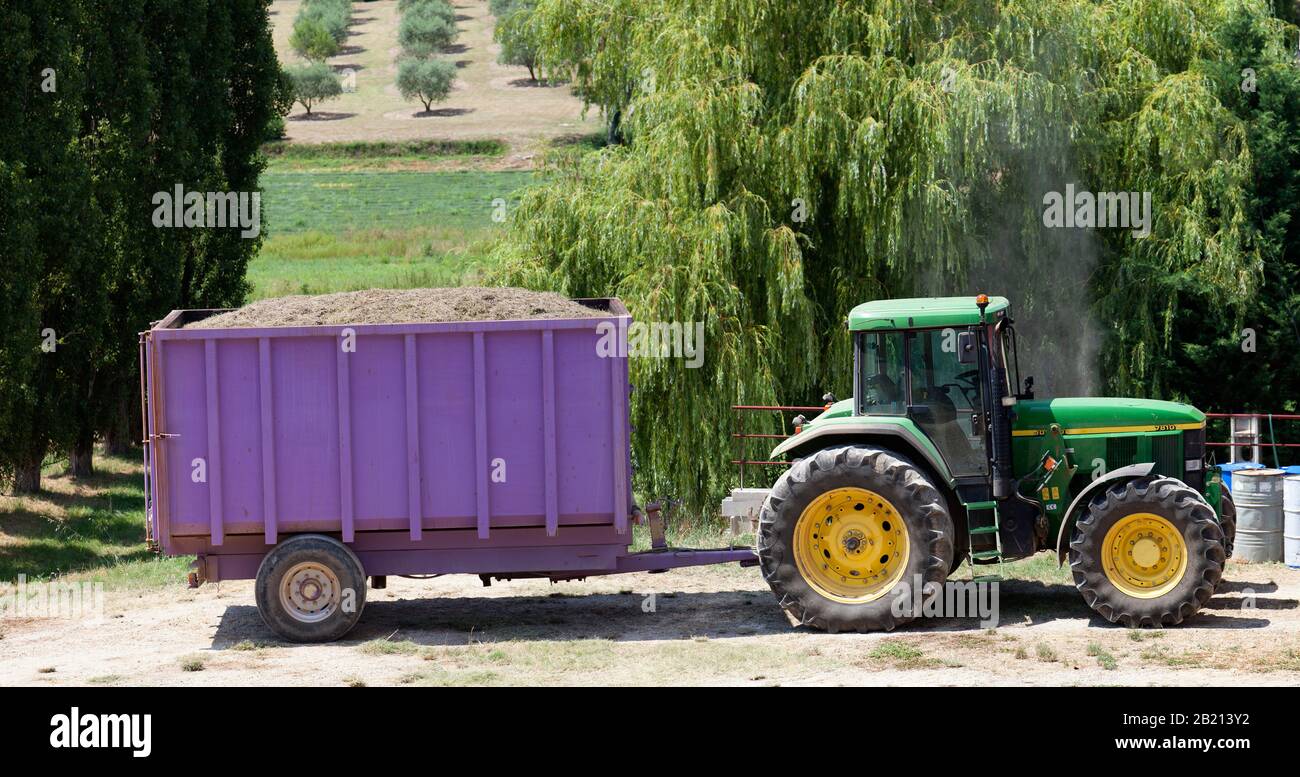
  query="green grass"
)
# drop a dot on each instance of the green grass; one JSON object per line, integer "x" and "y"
{"x": 90, "y": 530}
{"x": 330, "y": 230}
{"x": 896, "y": 650}
{"x": 251, "y": 645}
{"x": 384, "y": 647}
{"x": 335, "y": 201}
{"x": 423, "y": 150}
{"x": 1039, "y": 568}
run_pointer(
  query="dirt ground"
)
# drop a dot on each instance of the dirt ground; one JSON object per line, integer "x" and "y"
{"x": 709, "y": 625}
{"x": 488, "y": 100}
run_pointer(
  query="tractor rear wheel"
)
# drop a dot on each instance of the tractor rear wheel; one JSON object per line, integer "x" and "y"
{"x": 1147, "y": 552}
{"x": 843, "y": 529}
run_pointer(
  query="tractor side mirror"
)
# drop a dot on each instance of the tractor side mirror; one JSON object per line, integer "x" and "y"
{"x": 966, "y": 345}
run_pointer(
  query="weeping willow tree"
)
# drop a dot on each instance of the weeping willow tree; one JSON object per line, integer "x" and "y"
{"x": 784, "y": 160}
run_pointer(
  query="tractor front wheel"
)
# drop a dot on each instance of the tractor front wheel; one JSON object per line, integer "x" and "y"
{"x": 843, "y": 529}
{"x": 1147, "y": 552}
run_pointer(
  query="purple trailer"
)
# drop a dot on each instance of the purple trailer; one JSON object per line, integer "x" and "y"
{"x": 313, "y": 458}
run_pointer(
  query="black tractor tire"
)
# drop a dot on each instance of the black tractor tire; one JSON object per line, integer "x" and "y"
{"x": 917, "y": 501}
{"x": 1228, "y": 523}
{"x": 1193, "y": 519}
{"x": 311, "y": 558}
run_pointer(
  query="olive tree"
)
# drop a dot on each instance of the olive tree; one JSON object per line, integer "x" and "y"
{"x": 515, "y": 34}
{"x": 426, "y": 80}
{"x": 312, "y": 40}
{"x": 314, "y": 84}
{"x": 426, "y": 28}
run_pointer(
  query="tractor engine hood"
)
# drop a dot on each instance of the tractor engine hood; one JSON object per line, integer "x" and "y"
{"x": 1104, "y": 415}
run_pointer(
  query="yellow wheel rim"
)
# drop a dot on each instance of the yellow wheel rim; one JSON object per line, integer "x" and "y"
{"x": 1144, "y": 555}
{"x": 851, "y": 545}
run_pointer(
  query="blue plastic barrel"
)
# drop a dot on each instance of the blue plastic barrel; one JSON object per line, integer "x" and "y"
{"x": 1228, "y": 469}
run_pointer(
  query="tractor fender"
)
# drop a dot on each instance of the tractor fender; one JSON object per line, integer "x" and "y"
{"x": 1130, "y": 472}
{"x": 842, "y": 434}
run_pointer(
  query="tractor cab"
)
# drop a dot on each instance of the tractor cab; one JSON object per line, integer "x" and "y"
{"x": 931, "y": 362}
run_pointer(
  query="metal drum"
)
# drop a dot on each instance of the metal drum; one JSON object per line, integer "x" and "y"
{"x": 1226, "y": 470}
{"x": 1258, "y": 496}
{"x": 1291, "y": 521}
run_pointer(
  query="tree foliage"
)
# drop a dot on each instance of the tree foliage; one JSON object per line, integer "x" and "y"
{"x": 332, "y": 16}
{"x": 514, "y": 31}
{"x": 314, "y": 84}
{"x": 426, "y": 28}
{"x": 150, "y": 94}
{"x": 787, "y": 160}
{"x": 312, "y": 40}
{"x": 426, "y": 80}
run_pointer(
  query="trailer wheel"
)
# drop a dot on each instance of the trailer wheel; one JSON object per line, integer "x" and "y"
{"x": 1147, "y": 552}
{"x": 311, "y": 588}
{"x": 843, "y": 529}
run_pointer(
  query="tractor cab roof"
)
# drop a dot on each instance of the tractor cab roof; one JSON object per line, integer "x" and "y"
{"x": 922, "y": 312}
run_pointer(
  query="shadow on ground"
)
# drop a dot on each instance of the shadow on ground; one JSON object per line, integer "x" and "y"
{"x": 672, "y": 616}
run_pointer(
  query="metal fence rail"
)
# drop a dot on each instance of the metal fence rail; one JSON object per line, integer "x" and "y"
{"x": 742, "y": 437}
{"x": 1246, "y": 434}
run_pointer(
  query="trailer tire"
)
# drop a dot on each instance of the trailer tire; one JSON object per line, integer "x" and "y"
{"x": 1147, "y": 552}
{"x": 828, "y": 575}
{"x": 310, "y": 588}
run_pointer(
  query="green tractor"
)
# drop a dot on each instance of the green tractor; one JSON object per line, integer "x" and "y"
{"x": 944, "y": 455}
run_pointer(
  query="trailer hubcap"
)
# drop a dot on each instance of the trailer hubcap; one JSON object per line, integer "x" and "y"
{"x": 309, "y": 592}
{"x": 850, "y": 545}
{"x": 1144, "y": 555}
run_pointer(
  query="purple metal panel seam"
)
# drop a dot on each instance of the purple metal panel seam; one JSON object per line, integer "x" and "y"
{"x": 213, "y": 465}
{"x": 412, "y": 439}
{"x": 620, "y": 445}
{"x": 548, "y": 431}
{"x": 268, "y": 439}
{"x": 345, "y": 445}
{"x": 480, "y": 434}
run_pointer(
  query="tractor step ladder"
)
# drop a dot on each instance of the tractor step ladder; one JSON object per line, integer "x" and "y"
{"x": 973, "y": 531}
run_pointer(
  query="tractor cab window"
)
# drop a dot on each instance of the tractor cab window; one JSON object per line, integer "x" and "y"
{"x": 881, "y": 362}
{"x": 946, "y": 402}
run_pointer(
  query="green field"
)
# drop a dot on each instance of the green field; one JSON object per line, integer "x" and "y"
{"x": 340, "y": 230}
